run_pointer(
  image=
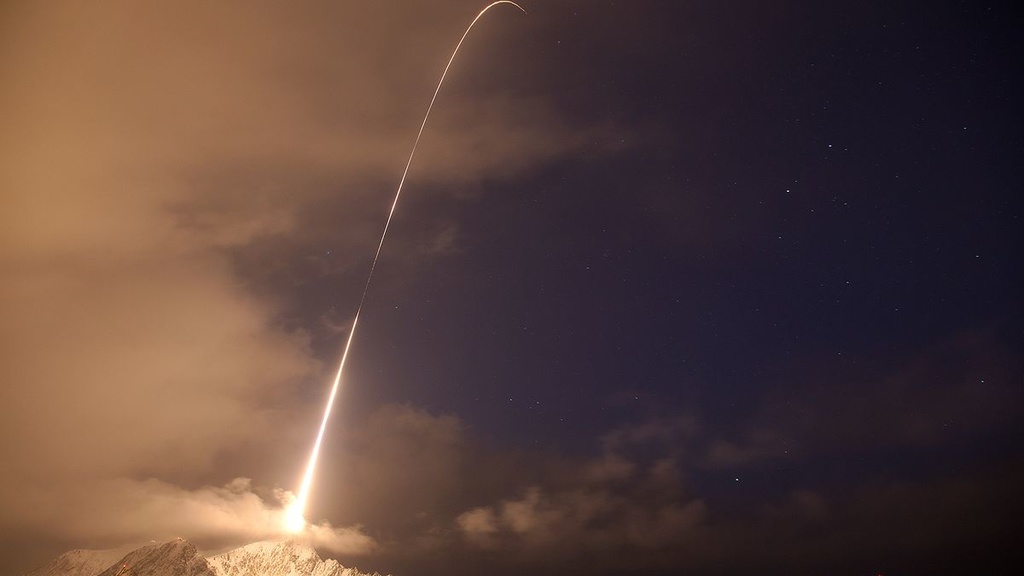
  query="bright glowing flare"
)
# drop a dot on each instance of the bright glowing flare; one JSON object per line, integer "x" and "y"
{"x": 294, "y": 522}
{"x": 295, "y": 514}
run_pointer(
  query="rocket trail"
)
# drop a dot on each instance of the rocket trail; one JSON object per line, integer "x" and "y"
{"x": 295, "y": 519}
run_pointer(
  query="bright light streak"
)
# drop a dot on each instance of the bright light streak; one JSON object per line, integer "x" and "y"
{"x": 295, "y": 514}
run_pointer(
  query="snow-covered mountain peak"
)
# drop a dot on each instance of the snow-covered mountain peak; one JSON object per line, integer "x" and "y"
{"x": 175, "y": 558}
{"x": 284, "y": 558}
{"x": 80, "y": 562}
{"x": 180, "y": 558}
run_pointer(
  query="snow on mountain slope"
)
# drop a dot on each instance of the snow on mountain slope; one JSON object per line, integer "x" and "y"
{"x": 81, "y": 562}
{"x": 174, "y": 558}
{"x": 180, "y": 558}
{"x": 278, "y": 559}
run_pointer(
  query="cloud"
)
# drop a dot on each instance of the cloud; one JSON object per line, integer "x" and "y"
{"x": 675, "y": 432}
{"x": 432, "y": 497}
{"x": 635, "y": 508}
{"x": 123, "y": 511}
{"x": 758, "y": 445}
{"x": 955, "y": 389}
{"x": 158, "y": 178}
{"x": 149, "y": 366}
{"x": 346, "y": 541}
{"x": 480, "y": 525}
{"x": 399, "y": 468}
{"x": 800, "y": 505}
{"x": 585, "y": 519}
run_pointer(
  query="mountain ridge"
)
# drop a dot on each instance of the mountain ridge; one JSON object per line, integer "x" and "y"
{"x": 285, "y": 558}
{"x": 81, "y": 562}
{"x": 175, "y": 558}
{"x": 179, "y": 557}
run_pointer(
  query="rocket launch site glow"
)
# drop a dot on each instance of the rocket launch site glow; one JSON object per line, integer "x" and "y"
{"x": 295, "y": 519}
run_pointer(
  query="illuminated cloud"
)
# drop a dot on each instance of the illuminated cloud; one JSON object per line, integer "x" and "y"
{"x": 158, "y": 176}
{"x": 124, "y": 510}
{"x": 591, "y": 514}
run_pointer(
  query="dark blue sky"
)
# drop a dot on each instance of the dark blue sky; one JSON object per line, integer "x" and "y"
{"x": 798, "y": 228}
{"x": 798, "y": 192}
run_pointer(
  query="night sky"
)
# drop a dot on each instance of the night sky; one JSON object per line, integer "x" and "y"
{"x": 673, "y": 286}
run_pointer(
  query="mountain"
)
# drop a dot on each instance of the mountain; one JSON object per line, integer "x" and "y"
{"x": 278, "y": 559}
{"x": 81, "y": 562}
{"x": 174, "y": 558}
{"x": 180, "y": 558}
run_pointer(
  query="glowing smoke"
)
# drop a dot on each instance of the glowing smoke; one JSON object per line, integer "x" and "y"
{"x": 294, "y": 518}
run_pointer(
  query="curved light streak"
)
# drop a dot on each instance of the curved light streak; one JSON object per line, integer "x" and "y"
{"x": 295, "y": 519}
